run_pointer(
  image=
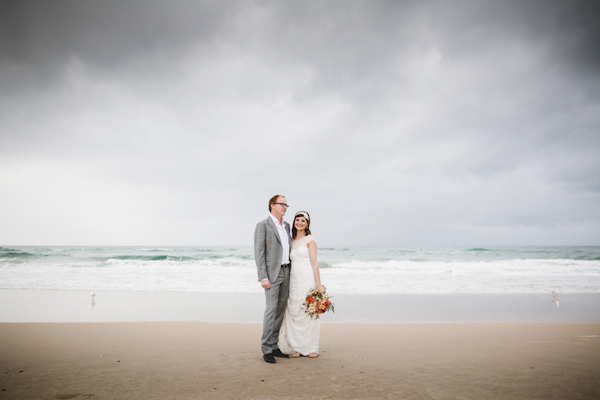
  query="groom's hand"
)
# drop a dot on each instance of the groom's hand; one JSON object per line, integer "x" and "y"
{"x": 265, "y": 284}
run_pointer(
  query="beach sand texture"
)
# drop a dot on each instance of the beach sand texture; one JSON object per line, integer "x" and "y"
{"x": 196, "y": 360}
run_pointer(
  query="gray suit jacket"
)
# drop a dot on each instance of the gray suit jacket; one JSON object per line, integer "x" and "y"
{"x": 268, "y": 250}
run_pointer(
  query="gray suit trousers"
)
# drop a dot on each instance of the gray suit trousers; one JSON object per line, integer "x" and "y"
{"x": 276, "y": 298}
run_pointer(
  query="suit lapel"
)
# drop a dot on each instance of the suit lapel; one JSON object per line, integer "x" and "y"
{"x": 287, "y": 228}
{"x": 271, "y": 224}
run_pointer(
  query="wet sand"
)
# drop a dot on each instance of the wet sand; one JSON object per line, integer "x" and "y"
{"x": 115, "y": 306}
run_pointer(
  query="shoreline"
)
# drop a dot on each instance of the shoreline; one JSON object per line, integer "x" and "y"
{"x": 190, "y": 360}
{"x": 31, "y": 306}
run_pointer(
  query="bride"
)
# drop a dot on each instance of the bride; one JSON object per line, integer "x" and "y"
{"x": 299, "y": 332}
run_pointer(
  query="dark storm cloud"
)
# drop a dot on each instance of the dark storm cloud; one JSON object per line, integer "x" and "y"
{"x": 37, "y": 37}
{"x": 350, "y": 42}
{"x": 346, "y": 41}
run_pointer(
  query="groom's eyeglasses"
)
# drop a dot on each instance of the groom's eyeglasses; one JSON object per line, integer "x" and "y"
{"x": 282, "y": 204}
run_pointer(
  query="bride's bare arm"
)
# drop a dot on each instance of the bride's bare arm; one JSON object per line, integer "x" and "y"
{"x": 312, "y": 250}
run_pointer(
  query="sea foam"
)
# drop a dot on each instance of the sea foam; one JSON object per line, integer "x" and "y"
{"x": 351, "y": 270}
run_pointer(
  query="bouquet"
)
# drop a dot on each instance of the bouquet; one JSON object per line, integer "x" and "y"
{"x": 317, "y": 303}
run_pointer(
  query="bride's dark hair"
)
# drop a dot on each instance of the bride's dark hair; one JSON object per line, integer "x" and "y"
{"x": 306, "y": 230}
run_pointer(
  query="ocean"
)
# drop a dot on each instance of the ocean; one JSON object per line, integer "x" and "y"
{"x": 344, "y": 270}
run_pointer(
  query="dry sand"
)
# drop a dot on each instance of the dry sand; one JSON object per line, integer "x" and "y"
{"x": 195, "y": 360}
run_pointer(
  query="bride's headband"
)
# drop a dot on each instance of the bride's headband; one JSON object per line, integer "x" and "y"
{"x": 304, "y": 214}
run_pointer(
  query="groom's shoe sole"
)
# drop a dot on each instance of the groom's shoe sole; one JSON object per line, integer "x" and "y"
{"x": 269, "y": 358}
{"x": 278, "y": 353}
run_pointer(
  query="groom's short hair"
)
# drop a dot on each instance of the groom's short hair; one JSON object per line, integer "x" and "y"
{"x": 273, "y": 200}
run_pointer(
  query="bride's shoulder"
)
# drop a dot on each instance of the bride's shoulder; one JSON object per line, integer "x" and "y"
{"x": 310, "y": 238}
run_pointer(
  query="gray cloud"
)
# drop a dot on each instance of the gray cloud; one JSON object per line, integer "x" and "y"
{"x": 392, "y": 122}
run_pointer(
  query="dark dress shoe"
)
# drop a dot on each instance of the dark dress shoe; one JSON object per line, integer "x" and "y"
{"x": 278, "y": 353}
{"x": 269, "y": 358}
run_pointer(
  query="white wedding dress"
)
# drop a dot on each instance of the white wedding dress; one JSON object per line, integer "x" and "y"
{"x": 299, "y": 332}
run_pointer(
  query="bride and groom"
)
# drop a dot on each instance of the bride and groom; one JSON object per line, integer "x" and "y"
{"x": 287, "y": 269}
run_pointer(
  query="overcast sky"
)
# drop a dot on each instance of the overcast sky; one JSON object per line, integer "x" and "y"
{"x": 420, "y": 123}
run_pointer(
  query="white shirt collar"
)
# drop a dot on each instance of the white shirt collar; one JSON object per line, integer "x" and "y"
{"x": 277, "y": 223}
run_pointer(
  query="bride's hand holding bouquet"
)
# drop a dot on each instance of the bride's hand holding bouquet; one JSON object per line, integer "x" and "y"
{"x": 317, "y": 302}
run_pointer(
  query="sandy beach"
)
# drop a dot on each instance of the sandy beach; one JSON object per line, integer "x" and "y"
{"x": 191, "y": 360}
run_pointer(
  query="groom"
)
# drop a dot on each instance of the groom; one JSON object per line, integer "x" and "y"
{"x": 272, "y": 255}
